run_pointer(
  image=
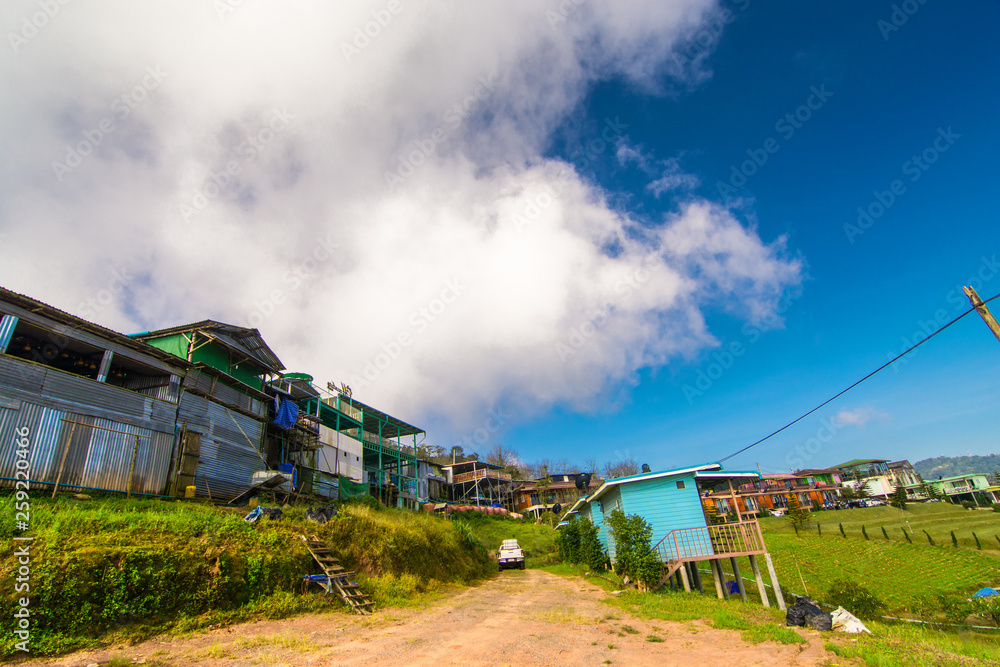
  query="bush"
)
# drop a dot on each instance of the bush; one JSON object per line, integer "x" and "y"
{"x": 634, "y": 557}
{"x": 568, "y": 541}
{"x": 996, "y": 507}
{"x": 855, "y": 598}
{"x": 968, "y": 504}
{"x": 591, "y": 551}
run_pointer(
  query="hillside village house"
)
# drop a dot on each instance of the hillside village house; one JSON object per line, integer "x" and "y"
{"x": 562, "y": 490}
{"x": 481, "y": 484}
{"x": 671, "y": 501}
{"x": 881, "y": 476}
{"x": 97, "y": 408}
{"x": 771, "y": 492}
{"x": 959, "y": 488}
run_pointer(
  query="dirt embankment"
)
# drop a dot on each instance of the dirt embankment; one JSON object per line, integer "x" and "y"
{"x": 516, "y": 618}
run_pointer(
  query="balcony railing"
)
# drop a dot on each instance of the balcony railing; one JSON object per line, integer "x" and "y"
{"x": 374, "y": 439}
{"x": 482, "y": 473}
{"x": 343, "y": 406}
{"x": 728, "y": 539}
{"x": 958, "y": 489}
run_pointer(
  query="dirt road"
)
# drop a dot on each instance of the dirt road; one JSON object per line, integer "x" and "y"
{"x": 517, "y": 618}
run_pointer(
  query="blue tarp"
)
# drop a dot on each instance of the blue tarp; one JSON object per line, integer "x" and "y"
{"x": 286, "y": 414}
{"x": 985, "y": 593}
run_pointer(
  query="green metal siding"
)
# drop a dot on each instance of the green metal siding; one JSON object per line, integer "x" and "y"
{"x": 218, "y": 357}
{"x": 176, "y": 345}
{"x": 663, "y": 505}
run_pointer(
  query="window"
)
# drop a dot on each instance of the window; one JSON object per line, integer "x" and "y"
{"x": 680, "y": 485}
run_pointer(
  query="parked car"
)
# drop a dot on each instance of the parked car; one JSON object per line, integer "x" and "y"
{"x": 510, "y": 555}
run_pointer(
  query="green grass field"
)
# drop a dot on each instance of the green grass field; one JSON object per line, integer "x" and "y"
{"x": 903, "y": 575}
{"x": 938, "y": 519}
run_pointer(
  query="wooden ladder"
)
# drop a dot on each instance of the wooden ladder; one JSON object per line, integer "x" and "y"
{"x": 337, "y": 576}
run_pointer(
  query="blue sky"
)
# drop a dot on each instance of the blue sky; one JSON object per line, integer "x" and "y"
{"x": 859, "y": 300}
{"x": 588, "y": 230}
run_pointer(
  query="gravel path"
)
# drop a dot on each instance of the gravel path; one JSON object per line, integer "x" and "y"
{"x": 516, "y": 618}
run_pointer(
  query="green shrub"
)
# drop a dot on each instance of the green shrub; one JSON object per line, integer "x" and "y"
{"x": 855, "y": 598}
{"x": 591, "y": 549}
{"x": 568, "y": 541}
{"x": 968, "y": 504}
{"x": 634, "y": 557}
{"x": 996, "y": 507}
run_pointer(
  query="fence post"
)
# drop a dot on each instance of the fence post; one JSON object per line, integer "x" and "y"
{"x": 62, "y": 463}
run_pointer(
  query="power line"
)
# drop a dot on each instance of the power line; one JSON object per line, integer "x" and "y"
{"x": 841, "y": 393}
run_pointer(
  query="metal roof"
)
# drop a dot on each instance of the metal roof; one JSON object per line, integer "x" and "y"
{"x": 650, "y": 475}
{"x": 247, "y": 342}
{"x": 51, "y": 312}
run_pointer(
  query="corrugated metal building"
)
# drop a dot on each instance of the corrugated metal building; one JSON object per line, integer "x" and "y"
{"x": 100, "y": 408}
{"x": 223, "y": 410}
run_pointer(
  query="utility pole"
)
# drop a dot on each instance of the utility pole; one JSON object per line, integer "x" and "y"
{"x": 984, "y": 312}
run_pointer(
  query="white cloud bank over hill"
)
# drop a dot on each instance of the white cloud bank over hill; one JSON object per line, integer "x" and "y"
{"x": 377, "y": 204}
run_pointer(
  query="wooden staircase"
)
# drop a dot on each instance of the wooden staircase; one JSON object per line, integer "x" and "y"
{"x": 338, "y": 579}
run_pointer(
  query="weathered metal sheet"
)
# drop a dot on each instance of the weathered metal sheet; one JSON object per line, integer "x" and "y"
{"x": 228, "y": 456}
{"x": 96, "y": 458}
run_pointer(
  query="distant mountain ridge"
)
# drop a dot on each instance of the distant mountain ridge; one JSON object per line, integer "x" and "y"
{"x": 948, "y": 466}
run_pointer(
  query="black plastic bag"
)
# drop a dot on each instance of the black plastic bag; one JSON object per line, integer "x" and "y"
{"x": 800, "y": 611}
{"x": 822, "y": 621}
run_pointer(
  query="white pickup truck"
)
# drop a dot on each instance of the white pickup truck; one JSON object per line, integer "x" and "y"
{"x": 510, "y": 555}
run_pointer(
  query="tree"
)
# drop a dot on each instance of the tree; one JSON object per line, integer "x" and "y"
{"x": 591, "y": 550}
{"x": 634, "y": 557}
{"x": 898, "y": 498}
{"x": 623, "y": 467}
{"x": 861, "y": 491}
{"x": 796, "y": 514}
{"x": 568, "y": 541}
{"x": 542, "y": 486}
{"x": 506, "y": 458}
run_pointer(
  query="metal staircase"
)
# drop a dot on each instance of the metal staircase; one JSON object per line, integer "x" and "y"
{"x": 337, "y": 578}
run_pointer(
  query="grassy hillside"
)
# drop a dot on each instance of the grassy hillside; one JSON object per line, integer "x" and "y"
{"x": 947, "y": 466}
{"x": 109, "y": 568}
{"x": 903, "y": 575}
{"x": 538, "y": 542}
{"x": 938, "y": 519}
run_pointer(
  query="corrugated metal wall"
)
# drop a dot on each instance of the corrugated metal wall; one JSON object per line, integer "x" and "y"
{"x": 95, "y": 458}
{"x": 228, "y": 458}
{"x": 41, "y": 398}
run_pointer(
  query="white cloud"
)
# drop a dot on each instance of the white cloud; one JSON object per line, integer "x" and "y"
{"x": 859, "y": 416}
{"x": 302, "y": 237}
